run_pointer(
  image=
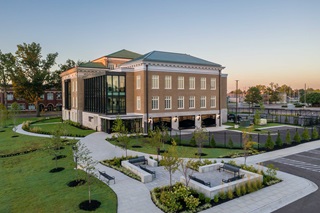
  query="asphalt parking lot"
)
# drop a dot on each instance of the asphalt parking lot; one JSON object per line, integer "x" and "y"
{"x": 307, "y": 165}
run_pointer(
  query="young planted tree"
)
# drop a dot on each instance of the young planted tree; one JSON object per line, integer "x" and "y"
{"x": 80, "y": 152}
{"x": 297, "y": 138}
{"x": 3, "y": 115}
{"x": 315, "y": 133}
{"x": 248, "y": 145}
{"x": 212, "y": 141}
{"x": 87, "y": 163}
{"x": 279, "y": 140}
{"x": 185, "y": 169}
{"x": 269, "y": 143}
{"x": 193, "y": 141}
{"x": 170, "y": 160}
{"x": 305, "y": 135}
{"x": 31, "y": 76}
{"x": 55, "y": 146}
{"x": 121, "y": 134}
{"x": 200, "y": 136}
{"x": 156, "y": 140}
{"x": 288, "y": 137}
{"x": 230, "y": 143}
{"x": 14, "y": 112}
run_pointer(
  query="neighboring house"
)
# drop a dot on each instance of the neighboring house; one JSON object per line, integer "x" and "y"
{"x": 159, "y": 88}
{"x": 50, "y": 101}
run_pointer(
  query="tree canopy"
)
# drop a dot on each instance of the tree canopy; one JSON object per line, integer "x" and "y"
{"x": 7, "y": 62}
{"x": 31, "y": 76}
{"x": 253, "y": 95}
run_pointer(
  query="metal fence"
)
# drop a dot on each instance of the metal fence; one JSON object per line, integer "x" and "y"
{"x": 223, "y": 139}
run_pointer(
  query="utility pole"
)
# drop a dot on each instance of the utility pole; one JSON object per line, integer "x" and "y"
{"x": 236, "y": 117}
{"x": 305, "y": 95}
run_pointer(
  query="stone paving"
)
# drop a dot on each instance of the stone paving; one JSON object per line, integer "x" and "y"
{"x": 134, "y": 196}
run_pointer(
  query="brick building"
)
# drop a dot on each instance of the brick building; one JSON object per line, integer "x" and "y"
{"x": 158, "y": 88}
{"x": 50, "y": 101}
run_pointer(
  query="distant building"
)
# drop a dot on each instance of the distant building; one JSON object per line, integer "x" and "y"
{"x": 159, "y": 88}
{"x": 51, "y": 100}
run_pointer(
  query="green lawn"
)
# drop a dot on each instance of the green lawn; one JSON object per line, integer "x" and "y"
{"x": 27, "y": 186}
{"x": 184, "y": 151}
{"x": 49, "y": 127}
{"x": 254, "y": 126}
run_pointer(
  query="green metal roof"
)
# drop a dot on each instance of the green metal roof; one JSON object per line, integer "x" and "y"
{"x": 92, "y": 65}
{"x": 124, "y": 54}
{"x": 159, "y": 56}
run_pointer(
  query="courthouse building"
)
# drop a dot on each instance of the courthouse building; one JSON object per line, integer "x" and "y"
{"x": 159, "y": 88}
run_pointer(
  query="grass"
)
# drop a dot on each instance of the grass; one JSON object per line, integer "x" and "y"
{"x": 254, "y": 126}
{"x": 27, "y": 185}
{"x": 49, "y": 127}
{"x": 184, "y": 151}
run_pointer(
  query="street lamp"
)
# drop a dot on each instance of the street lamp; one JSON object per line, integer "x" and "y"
{"x": 236, "y": 117}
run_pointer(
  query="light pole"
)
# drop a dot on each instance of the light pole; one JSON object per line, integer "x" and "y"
{"x": 236, "y": 117}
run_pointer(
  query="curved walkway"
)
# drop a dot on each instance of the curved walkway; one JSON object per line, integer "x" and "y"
{"x": 134, "y": 196}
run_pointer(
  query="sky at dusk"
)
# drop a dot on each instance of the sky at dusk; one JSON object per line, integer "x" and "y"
{"x": 257, "y": 41}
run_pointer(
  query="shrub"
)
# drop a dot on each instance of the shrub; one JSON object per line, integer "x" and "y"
{"x": 238, "y": 191}
{"x": 305, "y": 135}
{"x": 230, "y": 193}
{"x": 249, "y": 186}
{"x": 279, "y": 140}
{"x": 286, "y": 119}
{"x": 207, "y": 200}
{"x": 254, "y": 185}
{"x": 212, "y": 142}
{"x": 297, "y": 137}
{"x": 26, "y": 125}
{"x": 193, "y": 141}
{"x": 168, "y": 199}
{"x": 216, "y": 198}
{"x": 222, "y": 195}
{"x": 269, "y": 143}
{"x": 315, "y": 134}
{"x": 271, "y": 171}
{"x": 259, "y": 183}
{"x": 295, "y": 121}
{"x": 191, "y": 202}
{"x": 230, "y": 143}
{"x": 215, "y": 161}
{"x": 243, "y": 189}
{"x": 288, "y": 137}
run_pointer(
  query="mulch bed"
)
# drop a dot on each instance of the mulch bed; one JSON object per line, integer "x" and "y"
{"x": 58, "y": 169}
{"x": 75, "y": 183}
{"x": 86, "y": 206}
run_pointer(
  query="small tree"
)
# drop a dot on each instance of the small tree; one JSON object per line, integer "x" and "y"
{"x": 200, "y": 136}
{"x": 80, "y": 152}
{"x": 248, "y": 145}
{"x": 305, "y": 135}
{"x": 279, "y": 140}
{"x": 212, "y": 141}
{"x": 288, "y": 137}
{"x": 315, "y": 134}
{"x": 3, "y": 115}
{"x": 55, "y": 144}
{"x": 88, "y": 164}
{"x": 256, "y": 120}
{"x": 121, "y": 133}
{"x": 156, "y": 140}
{"x": 297, "y": 137}
{"x": 269, "y": 143}
{"x": 230, "y": 143}
{"x": 286, "y": 119}
{"x": 193, "y": 141}
{"x": 170, "y": 160}
{"x": 14, "y": 111}
{"x": 185, "y": 169}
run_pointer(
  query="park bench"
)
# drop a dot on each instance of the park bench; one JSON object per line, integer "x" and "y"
{"x": 140, "y": 159}
{"x": 238, "y": 177}
{"x": 200, "y": 181}
{"x": 230, "y": 168}
{"x": 108, "y": 177}
{"x": 149, "y": 171}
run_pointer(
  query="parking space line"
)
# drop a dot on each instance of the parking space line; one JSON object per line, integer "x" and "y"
{"x": 298, "y": 164}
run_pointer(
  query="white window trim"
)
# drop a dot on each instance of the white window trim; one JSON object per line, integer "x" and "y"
{"x": 155, "y": 98}
{"x": 194, "y": 83}
{"x": 205, "y": 102}
{"x": 155, "y": 82}
{"x": 138, "y": 82}
{"x": 194, "y": 102}
{"x": 169, "y": 78}
{"x": 168, "y": 98}
{"x": 203, "y": 85}
{"x": 182, "y": 102}
{"x": 215, "y": 102}
{"x": 215, "y": 84}
{"x": 138, "y": 103}
{"x": 182, "y": 80}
